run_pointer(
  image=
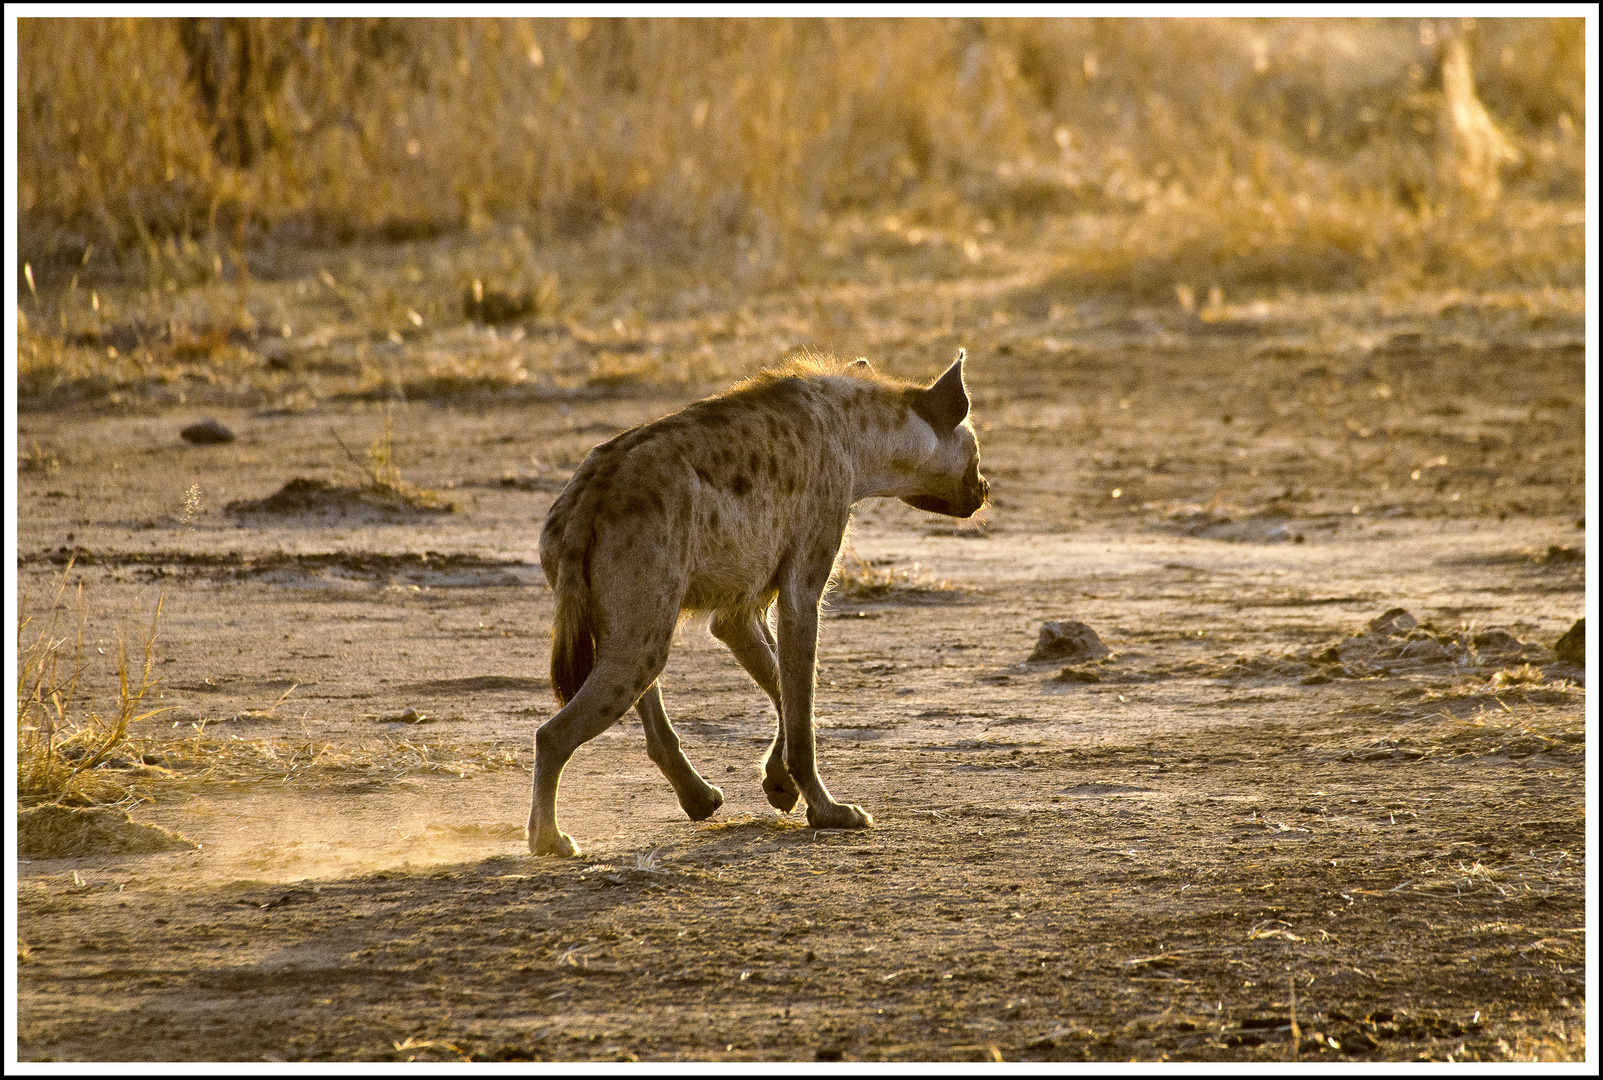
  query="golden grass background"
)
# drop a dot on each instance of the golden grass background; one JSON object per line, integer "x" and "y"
{"x": 1244, "y": 154}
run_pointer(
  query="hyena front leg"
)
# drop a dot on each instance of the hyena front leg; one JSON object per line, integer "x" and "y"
{"x": 748, "y": 637}
{"x": 697, "y": 798}
{"x": 798, "y": 654}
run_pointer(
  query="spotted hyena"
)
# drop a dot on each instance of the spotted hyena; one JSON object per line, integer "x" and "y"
{"x": 727, "y": 507}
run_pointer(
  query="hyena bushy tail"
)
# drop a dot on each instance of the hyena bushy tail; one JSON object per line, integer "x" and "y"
{"x": 573, "y": 637}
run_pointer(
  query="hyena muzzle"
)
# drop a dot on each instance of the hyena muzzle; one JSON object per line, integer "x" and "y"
{"x": 733, "y": 506}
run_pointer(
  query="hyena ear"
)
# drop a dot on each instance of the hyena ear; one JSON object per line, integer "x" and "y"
{"x": 945, "y": 403}
{"x": 860, "y": 365}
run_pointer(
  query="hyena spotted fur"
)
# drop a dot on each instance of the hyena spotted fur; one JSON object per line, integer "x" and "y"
{"x": 732, "y": 506}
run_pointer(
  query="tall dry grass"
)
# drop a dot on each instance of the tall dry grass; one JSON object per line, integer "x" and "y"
{"x": 63, "y": 740}
{"x": 1238, "y": 153}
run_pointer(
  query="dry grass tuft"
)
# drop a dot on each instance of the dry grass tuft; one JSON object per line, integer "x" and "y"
{"x": 860, "y": 581}
{"x": 66, "y": 755}
{"x": 72, "y": 754}
{"x": 37, "y": 459}
{"x": 1503, "y": 732}
{"x": 1524, "y": 675}
{"x": 385, "y": 489}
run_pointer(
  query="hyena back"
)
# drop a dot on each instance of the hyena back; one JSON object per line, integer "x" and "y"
{"x": 731, "y": 506}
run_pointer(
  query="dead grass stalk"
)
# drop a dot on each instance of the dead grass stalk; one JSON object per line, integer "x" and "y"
{"x": 61, "y": 746}
{"x": 860, "y": 581}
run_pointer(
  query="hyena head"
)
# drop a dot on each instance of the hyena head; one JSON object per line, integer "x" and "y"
{"x": 950, "y": 477}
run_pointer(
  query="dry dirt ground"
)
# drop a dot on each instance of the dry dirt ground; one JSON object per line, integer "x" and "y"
{"x": 1260, "y": 829}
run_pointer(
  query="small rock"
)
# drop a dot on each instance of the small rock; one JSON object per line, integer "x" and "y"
{"x": 1496, "y": 645}
{"x": 1367, "y": 754}
{"x": 1425, "y": 649}
{"x": 1076, "y": 675}
{"x": 1496, "y": 639}
{"x": 1395, "y": 623}
{"x": 207, "y": 433}
{"x": 1571, "y": 648}
{"x": 1072, "y": 641}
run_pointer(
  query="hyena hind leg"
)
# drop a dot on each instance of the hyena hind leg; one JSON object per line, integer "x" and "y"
{"x": 697, "y": 798}
{"x": 748, "y": 637}
{"x": 605, "y": 696}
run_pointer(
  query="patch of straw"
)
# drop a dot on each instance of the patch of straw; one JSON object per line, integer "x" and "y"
{"x": 61, "y": 747}
{"x": 861, "y": 581}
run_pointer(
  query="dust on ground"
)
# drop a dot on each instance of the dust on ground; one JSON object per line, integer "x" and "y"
{"x": 1322, "y": 799}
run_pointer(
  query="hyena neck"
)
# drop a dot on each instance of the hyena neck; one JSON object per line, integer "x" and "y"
{"x": 889, "y": 442}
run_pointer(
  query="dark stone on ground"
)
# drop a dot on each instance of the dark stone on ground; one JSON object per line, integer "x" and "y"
{"x": 1395, "y": 623}
{"x": 1071, "y": 641}
{"x": 1571, "y": 648}
{"x": 207, "y": 433}
{"x": 1076, "y": 675}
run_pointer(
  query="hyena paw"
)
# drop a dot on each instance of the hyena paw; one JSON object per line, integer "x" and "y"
{"x": 703, "y": 806}
{"x": 554, "y": 842}
{"x": 781, "y": 790}
{"x": 838, "y": 816}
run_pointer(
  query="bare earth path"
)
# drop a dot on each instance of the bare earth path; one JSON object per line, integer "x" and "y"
{"x": 1256, "y": 819}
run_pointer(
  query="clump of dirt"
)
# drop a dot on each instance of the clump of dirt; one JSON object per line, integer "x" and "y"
{"x": 1076, "y": 675}
{"x": 1395, "y": 643}
{"x": 1069, "y": 641}
{"x": 1392, "y": 622}
{"x": 61, "y": 832}
{"x": 319, "y": 497}
{"x": 1571, "y": 648}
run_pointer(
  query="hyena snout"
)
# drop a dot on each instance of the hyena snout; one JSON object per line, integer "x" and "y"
{"x": 974, "y": 496}
{"x": 976, "y": 492}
